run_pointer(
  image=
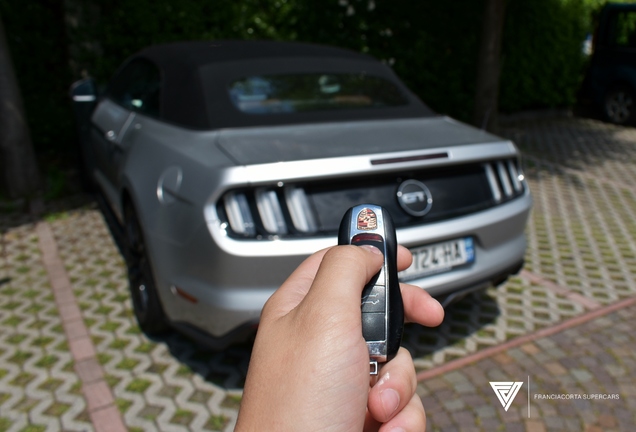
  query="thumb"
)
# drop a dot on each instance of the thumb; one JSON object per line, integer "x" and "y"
{"x": 342, "y": 274}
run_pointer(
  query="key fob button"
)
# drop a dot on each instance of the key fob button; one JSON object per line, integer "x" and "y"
{"x": 374, "y": 299}
{"x": 373, "y": 326}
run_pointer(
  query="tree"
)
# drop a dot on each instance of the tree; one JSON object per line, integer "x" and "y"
{"x": 19, "y": 175}
{"x": 487, "y": 91}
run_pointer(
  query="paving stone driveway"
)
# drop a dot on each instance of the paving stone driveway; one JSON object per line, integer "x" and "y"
{"x": 581, "y": 259}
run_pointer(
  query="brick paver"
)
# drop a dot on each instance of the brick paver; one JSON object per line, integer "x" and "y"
{"x": 39, "y": 389}
{"x": 581, "y": 258}
{"x": 580, "y": 379}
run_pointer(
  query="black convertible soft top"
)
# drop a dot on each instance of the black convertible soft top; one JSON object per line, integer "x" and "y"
{"x": 193, "y": 55}
{"x": 195, "y": 78}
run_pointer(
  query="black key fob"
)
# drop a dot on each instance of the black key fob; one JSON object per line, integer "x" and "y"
{"x": 382, "y": 308}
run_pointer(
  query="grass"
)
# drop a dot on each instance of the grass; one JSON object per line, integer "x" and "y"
{"x": 156, "y": 368}
{"x": 16, "y": 339}
{"x": 35, "y": 308}
{"x": 138, "y": 385}
{"x": 57, "y": 409}
{"x": 33, "y": 428}
{"x": 103, "y": 358}
{"x": 182, "y": 416}
{"x": 123, "y": 405}
{"x": 12, "y": 321}
{"x": 20, "y": 357}
{"x": 216, "y": 422}
{"x": 184, "y": 370}
{"x": 104, "y": 310}
{"x": 47, "y": 361}
{"x": 54, "y": 217}
{"x": 119, "y": 343}
{"x": 31, "y": 293}
{"x": 110, "y": 326}
{"x": 127, "y": 364}
{"x": 485, "y": 333}
{"x": 22, "y": 379}
{"x": 232, "y": 401}
{"x": 145, "y": 347}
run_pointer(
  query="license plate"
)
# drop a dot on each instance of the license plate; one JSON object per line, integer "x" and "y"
{"x": 439, "y": 257}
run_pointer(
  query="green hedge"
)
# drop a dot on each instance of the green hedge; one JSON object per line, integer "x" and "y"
{"x": 542, "y": 53}
{"x": 432, "y": 45}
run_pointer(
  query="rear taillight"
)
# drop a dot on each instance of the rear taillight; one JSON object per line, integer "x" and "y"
{"x": 505, "y": 179}
{"x": 239, "y": 216}
{"x": 303, "y": 218}
{"x": 268, "y": 212}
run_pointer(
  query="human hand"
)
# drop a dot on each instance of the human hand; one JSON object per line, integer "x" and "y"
{"x": 310, "y": 364}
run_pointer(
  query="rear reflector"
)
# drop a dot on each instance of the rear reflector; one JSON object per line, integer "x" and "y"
{"x": 185, "y": 295}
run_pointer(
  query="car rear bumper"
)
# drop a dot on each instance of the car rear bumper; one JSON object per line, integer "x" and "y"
{"x": 226, "y": 288}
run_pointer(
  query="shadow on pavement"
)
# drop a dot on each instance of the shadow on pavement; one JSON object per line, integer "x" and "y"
{"x": 227, "y": 368}
{"x": 583, "y": 146}
{"x": 19, "y": 212}
{"x": 462, "y": 319}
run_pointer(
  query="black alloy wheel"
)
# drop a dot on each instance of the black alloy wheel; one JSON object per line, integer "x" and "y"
{"x": 146, "y": 302}
{"x": 620, "y": 105}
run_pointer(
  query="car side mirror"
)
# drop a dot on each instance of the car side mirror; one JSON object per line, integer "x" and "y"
{"x": 84, "y": 90}
{"x": 83, "y": 95}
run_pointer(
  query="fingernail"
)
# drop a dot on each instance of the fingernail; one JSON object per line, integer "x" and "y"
{"x": 373, "y": 249}
{"x": 390, "y": 401}
{"x": 397, "y": 429}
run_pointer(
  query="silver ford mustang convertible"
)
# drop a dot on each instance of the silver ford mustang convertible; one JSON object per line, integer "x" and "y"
{"x": 227, "y": 163}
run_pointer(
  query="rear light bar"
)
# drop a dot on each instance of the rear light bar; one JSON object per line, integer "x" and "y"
{"x": 504, "y": 178}
{"x": 267, "y": 211}
{"x": 271, "y": 212}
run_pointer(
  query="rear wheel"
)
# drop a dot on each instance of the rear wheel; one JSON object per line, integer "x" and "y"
{"x": 620, "y": 105}
{"x": 146, "y": 302}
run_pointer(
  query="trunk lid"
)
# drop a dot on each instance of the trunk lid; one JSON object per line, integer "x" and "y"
{"x": 258, "y": 145}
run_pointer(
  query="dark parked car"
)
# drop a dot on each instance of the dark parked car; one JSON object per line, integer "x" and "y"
{"x": 611, "y": 78}
{"x": 228, "y": 163}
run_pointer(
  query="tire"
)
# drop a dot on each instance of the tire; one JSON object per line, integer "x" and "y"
{"x": 145, "y": 299}
{"x": 619, "y": 105}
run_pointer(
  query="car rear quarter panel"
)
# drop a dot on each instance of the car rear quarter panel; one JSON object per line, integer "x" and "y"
{"x": 169, "y": 214}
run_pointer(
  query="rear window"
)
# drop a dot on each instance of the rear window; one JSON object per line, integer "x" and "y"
{"x": 622, "y": 29}
{"x": 308, "y": 92}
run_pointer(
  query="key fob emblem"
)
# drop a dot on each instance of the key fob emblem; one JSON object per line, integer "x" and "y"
{"x": 367, "y": 220}
{"x": 381, "y": 301}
